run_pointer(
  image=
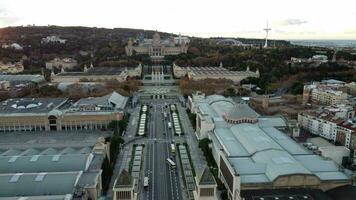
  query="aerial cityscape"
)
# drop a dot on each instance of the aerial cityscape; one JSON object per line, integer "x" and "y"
{"x": 123, "y": 103}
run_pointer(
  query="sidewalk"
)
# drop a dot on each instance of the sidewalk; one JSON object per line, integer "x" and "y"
{"x": 195, "y": 152}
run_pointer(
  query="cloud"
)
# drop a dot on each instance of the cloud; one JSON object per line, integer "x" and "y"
{"x": 7, "y": 18}
{"x": 292, "y": 22}
{"x": 350, "y": 31}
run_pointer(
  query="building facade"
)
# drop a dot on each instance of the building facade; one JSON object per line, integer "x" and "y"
{"x": 333, "y": 123}
{"x": 201, "y": 73}
{"x": 59, "y": 114}
{"x": 97, "y": 74}
{"x": 124, "y": 187}
{"x": 324, "y": 93}
{"x": 11, "y": 68}
{"x": 157, "y": 48}
{"x": 65, "y": 63}
{"x": 318, "y": 125}
{"x": 257, "y": 154}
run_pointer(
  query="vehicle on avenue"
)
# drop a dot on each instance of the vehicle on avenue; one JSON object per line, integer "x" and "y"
{"x": 145, "y": 182}
{"x": 173, "y": 148}
{"x": 171, "y": 163}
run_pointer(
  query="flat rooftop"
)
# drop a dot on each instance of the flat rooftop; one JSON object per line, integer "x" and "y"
{"x": 37, "y": 184}
{"x": 96, "y": 71}
{"x": 48, "y": 139}
{"x": 262, "y": 154}
{"x": 30, "y": 105}
{"x": 22, "y": 78}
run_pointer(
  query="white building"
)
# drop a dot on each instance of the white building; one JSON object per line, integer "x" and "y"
{"x": 53, "y": 39}
{"x": 65, "y": 63}
{"x": 329, "y": 123}
{"x": 156, "y": 48}
{"x": 15, "y": 46}
{"x": 320, "y": 58}
{"x": 181, "y": 40}
{"x": 322, "y": 124}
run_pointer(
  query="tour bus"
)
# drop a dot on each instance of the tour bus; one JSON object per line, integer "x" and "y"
{"x": 145, "y": 182}
{"x": 173, "y": 148}
{"x": 171, "y": 163}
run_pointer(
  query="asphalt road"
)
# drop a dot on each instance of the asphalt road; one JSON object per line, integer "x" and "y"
{"x": 164, "y": 182}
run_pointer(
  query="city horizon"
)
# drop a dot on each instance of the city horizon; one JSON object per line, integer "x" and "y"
{"x": 198, "y": 35}
{"x": 225, "y": 19}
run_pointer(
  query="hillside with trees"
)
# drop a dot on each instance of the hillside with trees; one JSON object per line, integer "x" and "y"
{"x": 106, "y": 48}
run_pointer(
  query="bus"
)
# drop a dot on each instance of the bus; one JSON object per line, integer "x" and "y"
{"x": 145, "y": 182}
{"x": 173, "y": 148}
{"x": 171, "y": 163}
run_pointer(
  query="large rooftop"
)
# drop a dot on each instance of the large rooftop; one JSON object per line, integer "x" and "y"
{"x": 22, "y": 78}
{"x": 261, "y": 154}
{"x": 38, "y": 184}
{"x": 30, "y": 105}
{"x": 44, "y": 163}
{"x": 114, "y": 100}
{"x": 95, "y": 71}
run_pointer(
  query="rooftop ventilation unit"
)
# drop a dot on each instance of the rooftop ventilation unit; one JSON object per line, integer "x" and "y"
{"x": 40, "y": 177}
{"x": 15, "y": 177}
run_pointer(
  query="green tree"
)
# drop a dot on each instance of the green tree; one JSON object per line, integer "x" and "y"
{"x": 230, "y": 92}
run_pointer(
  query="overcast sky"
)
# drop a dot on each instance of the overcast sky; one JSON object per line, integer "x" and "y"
{"x": 289, "y": 19}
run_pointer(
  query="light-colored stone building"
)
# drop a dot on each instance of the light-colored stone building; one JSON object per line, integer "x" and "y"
{"x": 97, "y": 74}
{"x": 331, "y": 123}
{"x": 156, "y": 48}
{"x": 200, "y": 73}
{"x": 65, "y": 63}
{"x": 124, "y": 187}
{"x": 11, "y": 68}
{"x": 53, "y": 39}
{"x": 324, "y": 93}
{"x": 205, "y": 186}
{"x": 56, "y": 114}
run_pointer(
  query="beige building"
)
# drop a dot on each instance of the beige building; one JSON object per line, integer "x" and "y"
{"x": 324, "y": 93}
{"x": 124, "y": 187}
{"x": 157, "y": 48}
{"x": 65, "y": 63}
{"x": 11, "y": 68}
{"x": 97, "y": 74}
{"x": 56, "y": 114}
{"x": 200, "y": 73}
{"x": 205, "y": 186}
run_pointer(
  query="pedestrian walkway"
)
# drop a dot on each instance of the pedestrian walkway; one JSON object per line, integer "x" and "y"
{"x": 197, "y": 155}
